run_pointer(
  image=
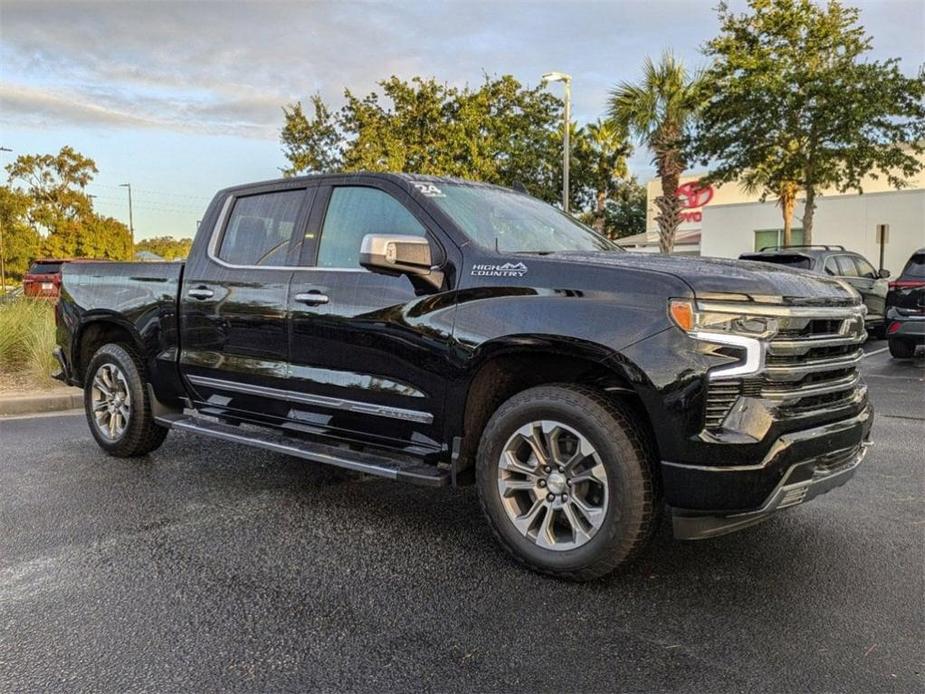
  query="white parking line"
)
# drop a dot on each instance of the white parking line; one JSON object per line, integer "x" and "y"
{"x": 41, "y": 415}
{"x": 876, "y": 351}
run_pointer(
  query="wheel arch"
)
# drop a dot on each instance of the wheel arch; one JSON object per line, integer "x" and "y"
{"x": 505, "y": 366}
{"x": 96, "y": 330}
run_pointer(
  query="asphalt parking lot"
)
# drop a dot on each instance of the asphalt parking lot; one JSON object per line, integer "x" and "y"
{"x": 213, "y": 567}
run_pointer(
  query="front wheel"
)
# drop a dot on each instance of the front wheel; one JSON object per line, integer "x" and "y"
{"x": 117, "y": 404}
{"x": 566, "y": 481}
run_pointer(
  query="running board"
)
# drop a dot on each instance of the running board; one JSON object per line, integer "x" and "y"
{"x": 402, "y": 469}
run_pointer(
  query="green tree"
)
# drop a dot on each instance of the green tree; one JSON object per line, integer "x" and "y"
{"x": 659, "y": 111}
{"x": 500, "y": 132}
{"x": 20, "y": 243}
{"x": 790, "y": 104}
{"x": 55, "y": 184}
{"x": 600, "y": 151}
{"x": 59, "y": 210}
{"x": 310, "y": 146}
{"x": 167, "y": 247}
{"x": 625, "y": 210}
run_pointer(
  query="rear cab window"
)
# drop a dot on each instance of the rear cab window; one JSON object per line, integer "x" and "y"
{"x": 260, "y": 229}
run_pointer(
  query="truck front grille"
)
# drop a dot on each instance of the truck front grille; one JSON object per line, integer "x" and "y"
{"x": 811, "y": 364}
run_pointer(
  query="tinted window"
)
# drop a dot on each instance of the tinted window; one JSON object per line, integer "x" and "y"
{"x": 259, "y": 228}
{"x": 846, "y": 266}
{"x": 915, "y": 268}
{"x": 45, "y": 268}
{"x": 354, "y": 212}
{"x": 796, "y": 260}
{"x": 865, "y": 269}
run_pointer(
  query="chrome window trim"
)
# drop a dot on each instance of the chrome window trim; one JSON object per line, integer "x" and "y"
{"x": 212, "y": 248}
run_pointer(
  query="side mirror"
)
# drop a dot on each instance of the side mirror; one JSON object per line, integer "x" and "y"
{"x": 883, "y": 274}
{"x": 399, "y": 254}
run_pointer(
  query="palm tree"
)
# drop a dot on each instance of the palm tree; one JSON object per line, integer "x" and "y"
{"x": 658, "y": 112}
{"x": 609, "y": 150}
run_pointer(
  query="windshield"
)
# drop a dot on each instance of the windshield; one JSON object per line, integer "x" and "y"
{"x": 513, "y": 222}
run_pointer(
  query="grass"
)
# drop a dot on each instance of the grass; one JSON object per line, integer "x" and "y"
{"x": 27, "y": 338}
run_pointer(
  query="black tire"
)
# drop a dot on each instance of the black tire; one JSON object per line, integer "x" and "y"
{"x": 901, "y": 349}
{"x": 634, "y": 511}
{"x": 141, "y": 434}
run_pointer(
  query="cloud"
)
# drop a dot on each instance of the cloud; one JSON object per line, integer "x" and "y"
{"x": 228, "y": 67}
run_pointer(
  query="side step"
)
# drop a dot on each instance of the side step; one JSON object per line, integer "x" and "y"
{"x": 402, "y": 469}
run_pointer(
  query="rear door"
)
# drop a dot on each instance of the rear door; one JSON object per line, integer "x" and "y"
{"x": 234, "y": 319}
{"x": 369, "y": 352}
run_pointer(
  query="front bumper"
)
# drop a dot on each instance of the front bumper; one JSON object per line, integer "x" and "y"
{"x": 799, "y": 466}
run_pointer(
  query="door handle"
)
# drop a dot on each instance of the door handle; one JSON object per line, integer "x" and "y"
{"x": 313, "y": 298}
{"x": 200, "y": 293}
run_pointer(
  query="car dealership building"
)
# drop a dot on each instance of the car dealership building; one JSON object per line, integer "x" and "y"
{"x": 725, "y": 221}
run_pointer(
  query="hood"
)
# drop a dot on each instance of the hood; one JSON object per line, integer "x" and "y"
{"x": 708, "y": 277}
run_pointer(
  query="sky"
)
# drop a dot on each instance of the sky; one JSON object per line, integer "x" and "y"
{"x": 181, "y": 99}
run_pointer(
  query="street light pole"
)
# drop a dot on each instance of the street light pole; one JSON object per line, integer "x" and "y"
{"x": 131, "y": 223}
{"x": 2, "y": 254}
{"x": 566, "y": 153}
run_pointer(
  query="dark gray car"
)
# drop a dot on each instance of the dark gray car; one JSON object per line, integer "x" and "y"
{"x": 836, "y": 261}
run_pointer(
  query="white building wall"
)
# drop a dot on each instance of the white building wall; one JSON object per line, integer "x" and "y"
{"x": 848, "y": 220}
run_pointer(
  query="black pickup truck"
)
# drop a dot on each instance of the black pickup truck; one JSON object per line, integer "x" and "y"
{"x": 441, "y": 332}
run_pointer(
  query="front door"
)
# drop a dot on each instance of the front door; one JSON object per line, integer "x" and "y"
{"x": 368, "y": 351}
{"x": 234, "y": 321}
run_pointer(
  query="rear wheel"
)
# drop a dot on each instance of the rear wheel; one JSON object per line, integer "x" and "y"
{"x": 565, "y": 480}
{"x": 117, "y": 403}
{"x": 901, "y": 348}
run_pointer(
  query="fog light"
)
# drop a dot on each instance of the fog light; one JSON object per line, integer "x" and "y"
{"x": 894, "y": 326}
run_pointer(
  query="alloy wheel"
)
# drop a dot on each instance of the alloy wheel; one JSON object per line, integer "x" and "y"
{"x": 553, "y": 485}
{"x": 111, "y": 401}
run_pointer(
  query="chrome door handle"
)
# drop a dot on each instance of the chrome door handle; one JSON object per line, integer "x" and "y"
{"x": 312, "y": 298}
{"x": 200, "y": 293}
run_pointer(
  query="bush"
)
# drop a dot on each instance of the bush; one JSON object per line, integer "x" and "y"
{"x": 27, "y": 337}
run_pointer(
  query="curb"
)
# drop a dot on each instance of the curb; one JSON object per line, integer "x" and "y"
{"x": 54, "y": 401}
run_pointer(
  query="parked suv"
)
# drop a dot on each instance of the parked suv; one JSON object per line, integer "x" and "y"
{"x": 43, "y": 278}
{"x": 905, "y": 312}
{"x": 442, "y": 332}
{"x": 835, "y": 261}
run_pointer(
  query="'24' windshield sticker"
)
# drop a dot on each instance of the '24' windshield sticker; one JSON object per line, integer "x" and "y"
{"x": 429, "y": 189}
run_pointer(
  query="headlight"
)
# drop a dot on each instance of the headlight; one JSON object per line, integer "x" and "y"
{"x": 690, "y": 319}
{"x": 727, "y": 326}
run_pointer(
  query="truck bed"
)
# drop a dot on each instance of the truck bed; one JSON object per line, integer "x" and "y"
{"x": 140, "y": 297}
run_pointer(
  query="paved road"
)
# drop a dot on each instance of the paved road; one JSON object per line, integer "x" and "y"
{"x": 210, "y": 567}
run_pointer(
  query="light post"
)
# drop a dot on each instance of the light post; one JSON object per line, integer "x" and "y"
{"x": 566, "y": 154}
{"x": 2, "y": 254}
{"x": 131, "y": 223}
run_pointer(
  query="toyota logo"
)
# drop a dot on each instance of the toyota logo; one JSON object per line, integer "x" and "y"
{"x": 693, "y": 195}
